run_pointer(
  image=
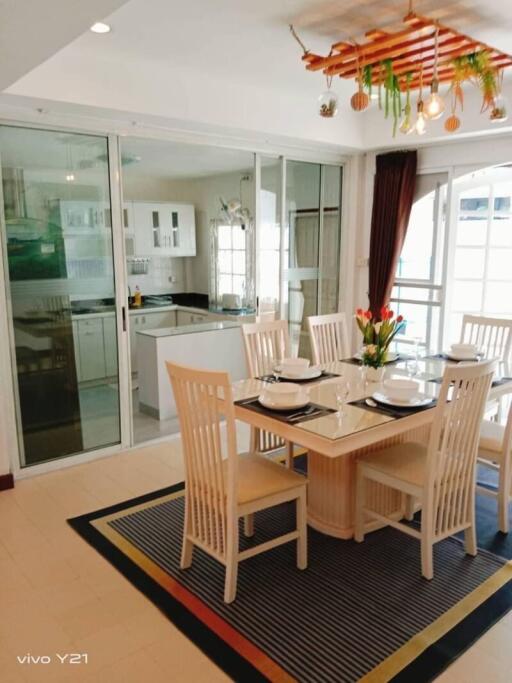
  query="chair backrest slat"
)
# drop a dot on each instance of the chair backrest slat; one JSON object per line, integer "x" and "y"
{"x": 453, "y": 445}
{"x": 492, "y": 335}
{"x": 203, "y": 399}
{"x": 265, "y": 343}
{"x": 329, "y": 337}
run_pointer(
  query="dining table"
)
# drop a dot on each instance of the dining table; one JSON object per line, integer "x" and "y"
{"x": 334, "y": 439}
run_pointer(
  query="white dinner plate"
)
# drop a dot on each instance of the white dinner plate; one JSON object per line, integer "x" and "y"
{"x": 299, "y": 401}
{"x": 392, "y": 357}
{"x": 309, "y": 373}
{"x": 416, "y": 402}
{"x": 455, "y": 356}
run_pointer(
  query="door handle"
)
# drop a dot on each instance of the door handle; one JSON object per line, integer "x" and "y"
{"x": 123, "y": 315}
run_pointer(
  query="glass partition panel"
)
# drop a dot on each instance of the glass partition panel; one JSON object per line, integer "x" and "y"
{"x": 58, "y": 241}
{"x": 301, "y": 269}
{"x": 270, "y": 236}
{"x": 311, "y": 269}
{"x": 330, "y": 236}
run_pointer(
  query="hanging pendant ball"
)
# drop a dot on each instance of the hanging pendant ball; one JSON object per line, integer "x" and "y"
{"x": 328, "y": 104}
{"x": 359, "y": 101}
{"x": 452, "y": 123}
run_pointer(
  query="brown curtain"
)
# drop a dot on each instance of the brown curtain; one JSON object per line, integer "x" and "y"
{"x": 392, "y": 202}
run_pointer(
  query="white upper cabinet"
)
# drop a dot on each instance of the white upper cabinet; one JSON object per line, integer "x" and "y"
{"x": 165, "y": 229}
{"x": 84, "y": 217}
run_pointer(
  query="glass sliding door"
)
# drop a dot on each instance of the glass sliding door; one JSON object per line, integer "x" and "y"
{"x": 269, "y": 249}
{"x": 58, "y": 249}
{"x": 311, "y": 250}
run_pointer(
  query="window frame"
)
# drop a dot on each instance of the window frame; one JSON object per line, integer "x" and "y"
{"x": 435, "y": 284}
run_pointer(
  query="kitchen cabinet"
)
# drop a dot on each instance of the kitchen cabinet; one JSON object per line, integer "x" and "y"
{"x": 91, "y": 349}
{"x": 76, "y": 346}
{"x": 128, "y": 216}
{"x": 165, "y": 229}
{"x": 189, "y": 318}
{"x": 110, "y": 346}
{"x": 81, "y": 217}
{"x": 151, "y": 320}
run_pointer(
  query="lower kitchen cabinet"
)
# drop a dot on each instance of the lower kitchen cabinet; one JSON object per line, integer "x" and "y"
{"x": 188, "y": 318}
{"x": 110, "y": 342}
{"x": 91, "y": 349}
{"x": 147, "y": 321}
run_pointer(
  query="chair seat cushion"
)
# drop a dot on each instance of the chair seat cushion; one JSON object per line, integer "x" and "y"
{"x": 259, "y": 477}
{"x": 403, "y": 461}
{"x": 491, "y": 438}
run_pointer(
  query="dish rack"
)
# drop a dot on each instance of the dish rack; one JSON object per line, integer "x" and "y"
{"x": 138, "y": 265}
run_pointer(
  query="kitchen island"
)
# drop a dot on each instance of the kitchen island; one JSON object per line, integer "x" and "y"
{"x": 208, "y": 346}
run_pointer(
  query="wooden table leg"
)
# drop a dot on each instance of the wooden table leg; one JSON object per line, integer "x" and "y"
{"x": 331, "y": 490}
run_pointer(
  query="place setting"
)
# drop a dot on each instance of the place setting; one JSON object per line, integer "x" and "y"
{"x": 397, "y": 398}
{"x": 460, "y": 353}
{"x": 287, "y": 402}
{"x": 296, "y": 370}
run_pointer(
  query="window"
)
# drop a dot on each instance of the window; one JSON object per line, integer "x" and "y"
{"x": 480, "y": 260}
{"x": 231, "y": 259}
{"x": 418, "y": 291}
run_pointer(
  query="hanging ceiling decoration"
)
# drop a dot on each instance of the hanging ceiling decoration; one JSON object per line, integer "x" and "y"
{"x": 388, "y": 66}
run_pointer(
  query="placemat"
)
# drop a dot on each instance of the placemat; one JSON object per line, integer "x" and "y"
{"x": 272, "y": 379}
{"x": 443, "y": 356}
{"x": 392, "y": 411}
{"x": 401, "y": 358}
{"x": 290, "y": 416}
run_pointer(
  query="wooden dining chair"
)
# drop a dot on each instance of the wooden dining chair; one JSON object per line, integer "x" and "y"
{"x": 222, "y": 486}
{"x": 329, "y": 337}
{"x": 266, "y": 343}
{"x": 440, "y": 475}
{"x": 492, "y": 335}
{"x": 495, "y": 452}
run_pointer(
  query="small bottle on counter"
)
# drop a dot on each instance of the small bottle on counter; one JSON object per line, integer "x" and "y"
{"x": 137, "y": 298}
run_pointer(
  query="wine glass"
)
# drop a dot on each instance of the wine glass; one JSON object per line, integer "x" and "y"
{"x": 342, "y": 390}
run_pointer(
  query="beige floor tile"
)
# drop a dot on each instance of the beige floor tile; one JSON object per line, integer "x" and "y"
{"x": 135, "y": 668}
{"x": 187, "y": 663}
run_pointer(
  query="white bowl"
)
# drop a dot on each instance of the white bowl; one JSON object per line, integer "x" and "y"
{"x": 301, "y": 363}
{"x": 282, "y": 391}
{"x": 401, "y": 389}
{"x": 295, "y": 367}
{"x": 469, "y": 350}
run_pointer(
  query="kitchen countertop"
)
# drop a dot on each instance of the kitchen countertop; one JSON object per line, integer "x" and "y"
{"x": 189, "y": 329}
{"x": 110, "y": 310}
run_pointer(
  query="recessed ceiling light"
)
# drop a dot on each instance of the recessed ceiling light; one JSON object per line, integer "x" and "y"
{"x": 100, "y": 27}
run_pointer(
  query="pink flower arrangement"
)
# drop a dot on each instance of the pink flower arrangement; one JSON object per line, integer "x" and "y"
{"x": 377, "y": 335}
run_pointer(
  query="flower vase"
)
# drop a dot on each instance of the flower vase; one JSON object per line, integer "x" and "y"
{"x": 375, "y": 374}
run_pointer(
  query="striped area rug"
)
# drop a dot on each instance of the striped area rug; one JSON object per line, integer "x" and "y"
{"x": 360, "y": 611}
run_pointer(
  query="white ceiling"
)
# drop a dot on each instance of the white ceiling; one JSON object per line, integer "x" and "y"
{"x": 85, "y": 155}
{"x": 175, "y": 160}
{"x": 31, "y": 32}
{"x": 231, "y": 63}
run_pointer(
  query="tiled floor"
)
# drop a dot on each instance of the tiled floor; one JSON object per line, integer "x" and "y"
{"x": 57, "y": 595}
